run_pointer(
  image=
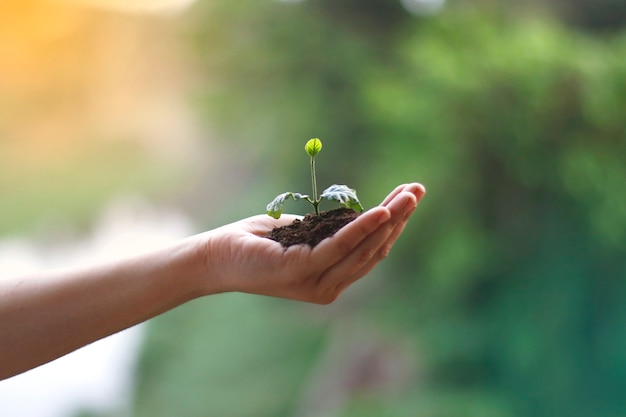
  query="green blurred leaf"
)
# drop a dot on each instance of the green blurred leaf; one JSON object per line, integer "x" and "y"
{"x": 343, "y": 194}
{"x": 275, "y": 207}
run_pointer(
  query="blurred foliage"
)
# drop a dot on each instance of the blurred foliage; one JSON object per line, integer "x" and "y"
{"x": 217, "y": 343}
{"x": 44, "y": 189}
{"x": 507, "y": 286}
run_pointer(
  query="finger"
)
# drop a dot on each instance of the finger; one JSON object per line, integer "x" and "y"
{"x": 392, "y": 194}
{"x": 417, "y": 189}
{"x": 342, "y": 243}
{"x": 386, "y": 247}
{"x": 374, "y": 247}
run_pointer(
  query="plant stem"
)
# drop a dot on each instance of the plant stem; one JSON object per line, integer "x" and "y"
{"x": 316, "y": 202}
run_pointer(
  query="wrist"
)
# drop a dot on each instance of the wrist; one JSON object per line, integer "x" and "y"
{"x": 205, "y": 279}
{"x": 177, "y": 272}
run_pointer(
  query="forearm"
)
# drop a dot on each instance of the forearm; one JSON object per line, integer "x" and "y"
{"x": 47, "y": 315}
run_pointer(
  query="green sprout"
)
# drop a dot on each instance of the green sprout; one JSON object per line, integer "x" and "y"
{"x": 343, "y": 194}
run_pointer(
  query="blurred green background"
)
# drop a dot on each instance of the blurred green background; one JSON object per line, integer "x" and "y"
{"x": 505, "y": 296}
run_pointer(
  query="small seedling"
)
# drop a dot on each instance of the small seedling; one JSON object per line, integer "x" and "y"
{"x": 343, "y": 194}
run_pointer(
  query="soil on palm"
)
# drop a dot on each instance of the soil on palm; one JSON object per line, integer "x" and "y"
{"x": 312, "y": 229}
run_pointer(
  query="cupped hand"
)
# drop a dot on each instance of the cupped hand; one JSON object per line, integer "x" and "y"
{"x": 239, "y": 257}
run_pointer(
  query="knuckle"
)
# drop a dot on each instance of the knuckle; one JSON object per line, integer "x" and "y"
{"x": 312, "y": 289}
{"x": 366, "y": 256}
{"x": 384, "y": 252}
{"x": 326, "y": 298}
{"x": 324, "y": 295}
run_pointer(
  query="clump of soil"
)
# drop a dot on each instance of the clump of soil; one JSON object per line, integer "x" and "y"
{"x": 312, "y": 229}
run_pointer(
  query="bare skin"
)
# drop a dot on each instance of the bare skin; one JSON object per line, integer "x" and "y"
{"x": 49, "y": 314}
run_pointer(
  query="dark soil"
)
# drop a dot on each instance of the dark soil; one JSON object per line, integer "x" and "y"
{"x": 312, "y": 229}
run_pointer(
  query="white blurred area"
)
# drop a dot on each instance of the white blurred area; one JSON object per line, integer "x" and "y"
{"x": 98, "y": 377}
{"x": 74, "y": 73}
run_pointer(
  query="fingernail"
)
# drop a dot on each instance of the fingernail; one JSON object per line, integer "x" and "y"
{"x": 419, "y": 190}
{"x": 410, "y": 205}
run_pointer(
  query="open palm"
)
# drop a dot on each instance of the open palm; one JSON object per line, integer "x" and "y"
{"x": 240, "y": 258}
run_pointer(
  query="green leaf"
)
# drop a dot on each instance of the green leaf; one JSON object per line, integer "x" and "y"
{"x": 345, "y": 195}
{"x": 275, "y": 208}
{"x": 313, "y": 147}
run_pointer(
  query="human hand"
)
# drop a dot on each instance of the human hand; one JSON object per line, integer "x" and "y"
{"x": 238, "y": 257}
